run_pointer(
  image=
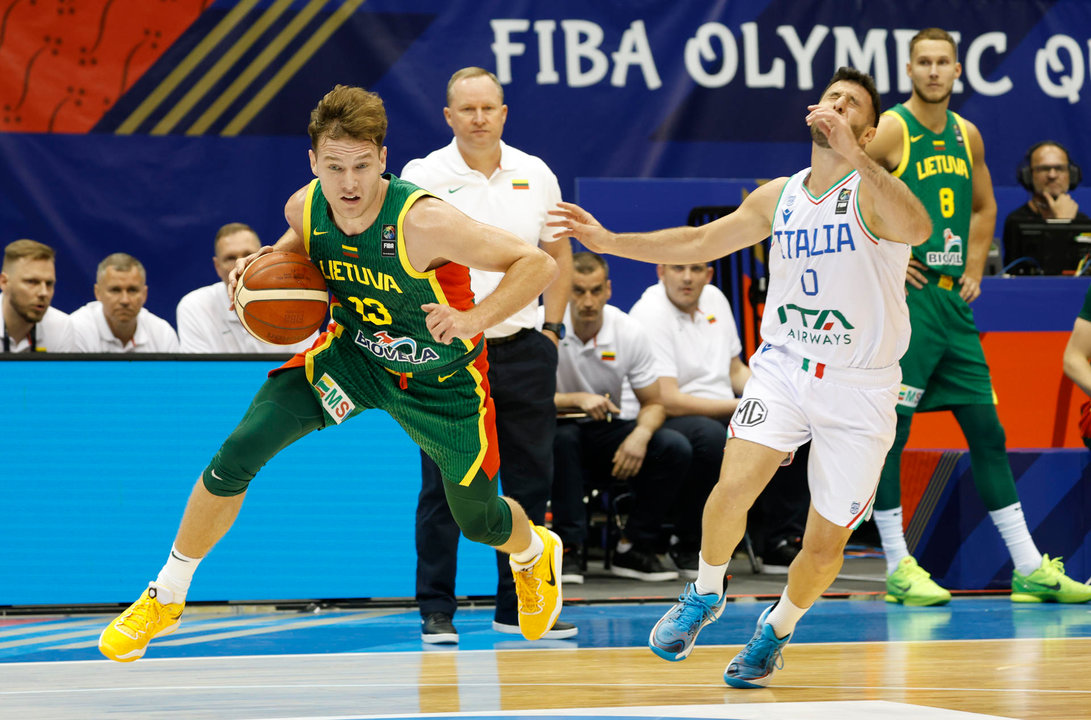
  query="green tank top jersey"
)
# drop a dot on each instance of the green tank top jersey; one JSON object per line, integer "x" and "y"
{"x": 377, "y": 293}
{"x": 937, "y": 168}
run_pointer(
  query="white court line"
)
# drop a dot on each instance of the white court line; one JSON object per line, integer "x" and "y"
{"x": 292, "y": 687}
{"x": 530, "y": 647}
{"x": 832, "y": 710}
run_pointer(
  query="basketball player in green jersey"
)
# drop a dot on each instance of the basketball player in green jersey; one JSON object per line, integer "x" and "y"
{"x": 406, "y": 338}
{"x": 941, "y": 157}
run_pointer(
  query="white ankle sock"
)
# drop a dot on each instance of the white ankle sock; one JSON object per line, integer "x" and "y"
{"x": 1013, "y": 528}
{"x": 528, "y": 556}
{"x": 177, "y": 574}
{"x": 892, "y": 536}
{"x": 710, "y": 578}
{"x": 785, "y": 615}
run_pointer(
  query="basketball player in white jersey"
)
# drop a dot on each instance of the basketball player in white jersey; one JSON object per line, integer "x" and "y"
{"x": 834, "y": 328}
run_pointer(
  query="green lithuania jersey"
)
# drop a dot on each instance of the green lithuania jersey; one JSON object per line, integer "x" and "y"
{"x": 377, "y": 293}
{"x": 938, "y": 167}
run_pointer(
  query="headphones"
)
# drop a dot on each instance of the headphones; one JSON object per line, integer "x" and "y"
{"x": 1025, "y": 173}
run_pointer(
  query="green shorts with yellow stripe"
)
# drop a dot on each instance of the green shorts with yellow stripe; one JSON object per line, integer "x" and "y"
{"x": 448, "y": 411}
{"x": 945, "y": 365}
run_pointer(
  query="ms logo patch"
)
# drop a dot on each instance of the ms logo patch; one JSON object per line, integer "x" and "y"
{"x": 750, "y": 412}
{"x": 334, "y": 400}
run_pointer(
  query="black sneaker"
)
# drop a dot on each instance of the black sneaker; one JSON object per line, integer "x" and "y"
{"x": 571, "y": 570}
{"x": 777, "y": 560}
{"x": 641, "y": 565}
{"x": 686, "y": 562}
{"x": 559, "y": 631}
{"x": 437, "y": 629}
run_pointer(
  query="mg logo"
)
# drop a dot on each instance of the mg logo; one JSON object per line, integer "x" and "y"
{"x": 750, "y": 412}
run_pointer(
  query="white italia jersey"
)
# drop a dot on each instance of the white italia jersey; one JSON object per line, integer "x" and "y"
{"x": 836, "y": 290}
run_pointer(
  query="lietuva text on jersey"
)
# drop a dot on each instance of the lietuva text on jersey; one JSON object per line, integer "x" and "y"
{"x": 942, "y": 165}
{"x": 341, "y": 270}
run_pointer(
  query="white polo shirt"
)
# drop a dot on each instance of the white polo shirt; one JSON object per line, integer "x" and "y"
{"x": 516, "y": 198}
{"x": 207, "y": 325}
{"x": 93, "y": 335}
{"x": 696, "y": 350}
{"x": 619, "y": 352}
{"x": 53, "y": 333}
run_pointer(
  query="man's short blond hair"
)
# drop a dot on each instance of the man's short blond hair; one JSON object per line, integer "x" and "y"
{"x": 934, "y": 33}
{"x": 230, "y": 229}
{"x": 26, "y": 250}
{"x": 472, "y": 72}
{"x": 122, "y": 262}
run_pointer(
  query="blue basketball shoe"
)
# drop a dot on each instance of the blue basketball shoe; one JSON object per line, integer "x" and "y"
{"x": 673, "y": 636}
{"x": 761, "y": 657}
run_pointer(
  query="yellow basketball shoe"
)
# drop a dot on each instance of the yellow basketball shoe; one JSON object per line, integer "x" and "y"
{"x": 1048, "y": 584}
{"x": 538, "y": 587}
{"x": 126, "y": 638}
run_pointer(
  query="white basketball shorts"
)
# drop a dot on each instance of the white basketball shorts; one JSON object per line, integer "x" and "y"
{"x": 847, "y": 414}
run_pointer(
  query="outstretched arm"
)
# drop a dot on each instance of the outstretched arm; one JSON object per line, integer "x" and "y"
{"x": 745, "y": 227}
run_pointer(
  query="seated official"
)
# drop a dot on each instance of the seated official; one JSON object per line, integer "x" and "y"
{"x": 28, "y": 321}
{"x": 206, "y": 322}
{"x": 602, "y": 348}
{"x": 698, "y": 349}
{"x": 1048, "y": 174}
{"x": 117, "y": 321}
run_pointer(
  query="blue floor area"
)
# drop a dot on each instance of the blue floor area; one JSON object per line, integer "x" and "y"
{"x": 278, "y": 633}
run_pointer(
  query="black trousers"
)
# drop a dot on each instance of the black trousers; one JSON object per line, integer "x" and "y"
{"x": 583, "y": 458}
{"x": 522, "y": 381}
{"x": 707, "y": 437}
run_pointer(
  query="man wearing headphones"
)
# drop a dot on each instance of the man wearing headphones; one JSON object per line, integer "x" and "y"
{"x": 1048, "y": 174}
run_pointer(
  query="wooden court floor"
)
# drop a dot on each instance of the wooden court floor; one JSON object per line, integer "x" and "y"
{"x": 981, "y": 657}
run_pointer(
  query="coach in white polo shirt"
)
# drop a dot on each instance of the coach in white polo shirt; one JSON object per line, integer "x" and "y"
{"x": 602, "y": 349}
{"x": 28, "y": 322}
{"x": 206, "y": 322}
{"x": 116, "y": 321}
{"x": 497, "y": 184}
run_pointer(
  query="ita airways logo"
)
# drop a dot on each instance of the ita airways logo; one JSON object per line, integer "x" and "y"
{"x": 750, "y": 412}
{"x": 815, "y": 326}
{"x": 952, "y": 250}
{"x": 334, "y": 400}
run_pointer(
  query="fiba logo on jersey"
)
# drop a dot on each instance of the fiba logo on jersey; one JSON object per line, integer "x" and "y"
{"x": 750, "y": 412}
{"x": 952, "y": 250}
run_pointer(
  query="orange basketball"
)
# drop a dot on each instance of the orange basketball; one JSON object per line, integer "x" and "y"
{"x": 281, "y": 298}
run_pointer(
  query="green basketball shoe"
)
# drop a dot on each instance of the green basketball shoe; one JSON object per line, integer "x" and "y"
{"x": 1048, "y": 584}
{"x": 911, "y": 585}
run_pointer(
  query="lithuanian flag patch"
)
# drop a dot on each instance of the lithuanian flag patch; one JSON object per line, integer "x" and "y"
{"x": 520, "y": 184}
{"x": 608, "y": 356}
{"x": 939, "y": 145}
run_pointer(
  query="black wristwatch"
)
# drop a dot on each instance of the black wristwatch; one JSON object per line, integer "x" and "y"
{"x": 555, "y": 328}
